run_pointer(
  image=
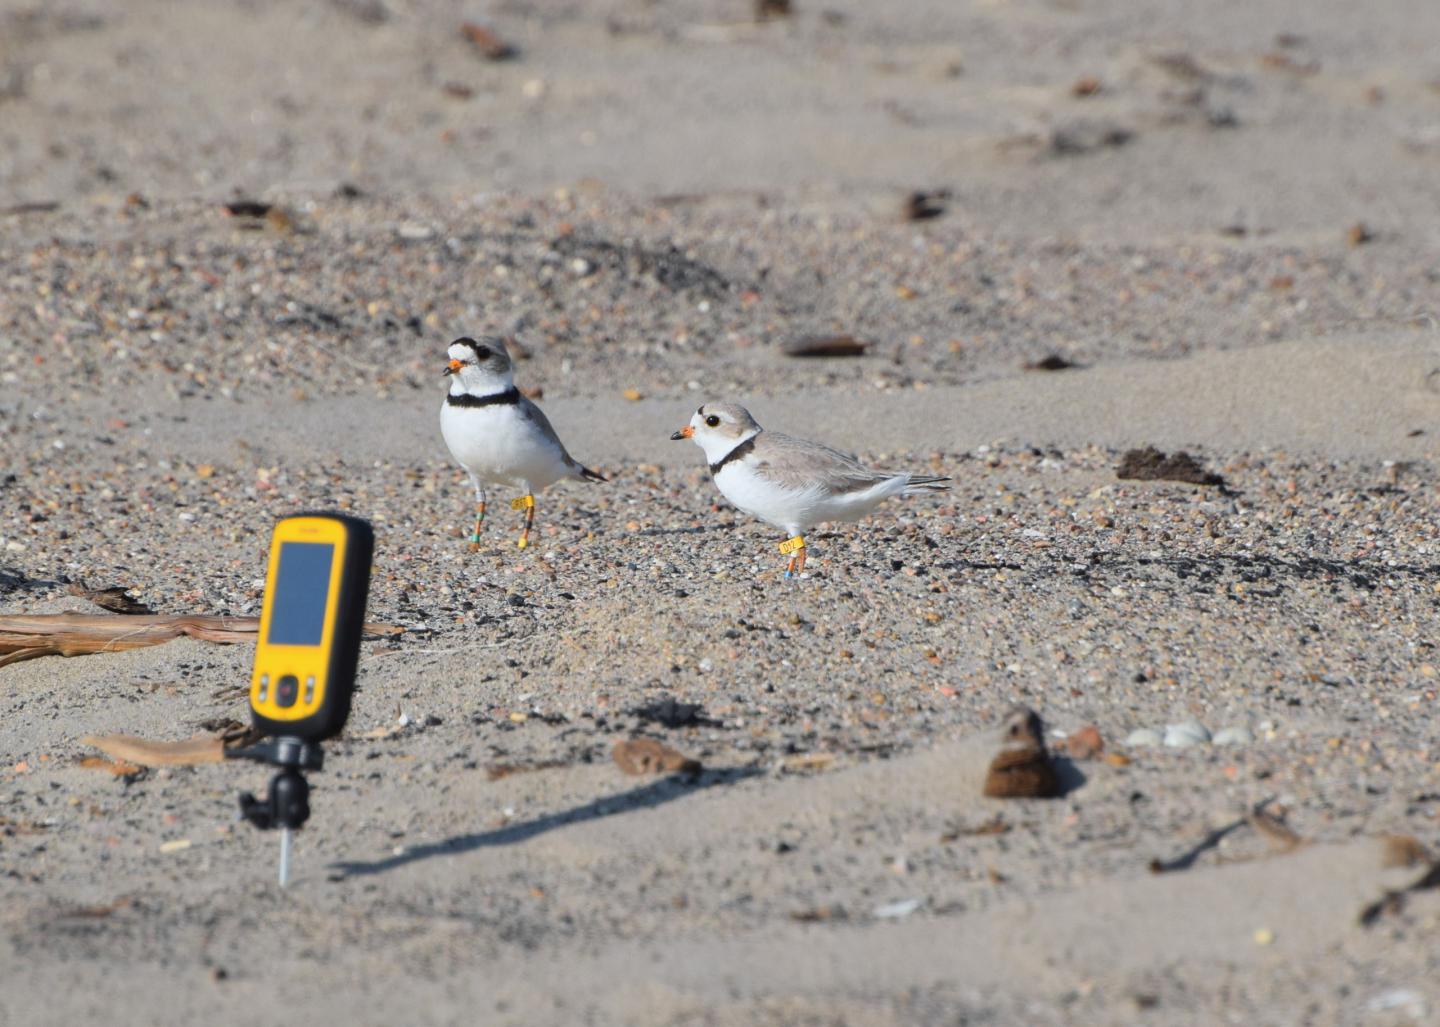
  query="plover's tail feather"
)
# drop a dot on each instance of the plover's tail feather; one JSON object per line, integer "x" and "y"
{"x": 926, "y": 483}
{"x": 589, "y": 475}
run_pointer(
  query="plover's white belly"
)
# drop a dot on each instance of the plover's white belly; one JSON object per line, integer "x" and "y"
{"x": 799, "y": 509}
{"x": 499, "y": 445}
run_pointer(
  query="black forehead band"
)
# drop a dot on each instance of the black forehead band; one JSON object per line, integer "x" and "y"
{"x": 480, "y": 349}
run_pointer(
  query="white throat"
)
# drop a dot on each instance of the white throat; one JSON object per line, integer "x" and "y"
{"x": 475, "y": 381}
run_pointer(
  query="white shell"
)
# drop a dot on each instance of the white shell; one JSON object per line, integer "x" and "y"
{"x": 1234, "y": 736}
{"x": 1187, "y": 732}
{"x": 898, "y": 910}
{"x": 1142, "y": 737}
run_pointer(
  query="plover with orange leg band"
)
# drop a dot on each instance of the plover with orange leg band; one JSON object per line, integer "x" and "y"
{"x": 499, "y": 436}
{"x": 791, "y": 483}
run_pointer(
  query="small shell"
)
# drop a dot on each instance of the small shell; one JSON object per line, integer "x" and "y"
{"x": 1142, "y": 737}
{"x": 1234, "y": 736}
{"x": 898, "y": 910}
{"x": 1187, "y": 732}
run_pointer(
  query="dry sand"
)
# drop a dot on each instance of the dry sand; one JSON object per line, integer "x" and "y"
{"x": 657, "y": 198}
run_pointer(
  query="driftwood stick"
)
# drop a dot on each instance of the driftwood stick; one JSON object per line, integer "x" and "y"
{"x": 147, "y": 753}
{"x": 77, "y": 634}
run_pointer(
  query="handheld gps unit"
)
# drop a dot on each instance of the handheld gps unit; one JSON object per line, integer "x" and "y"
{"x": 317, "y": 581}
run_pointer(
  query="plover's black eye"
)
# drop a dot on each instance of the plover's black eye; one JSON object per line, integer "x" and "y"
{"x": 481, "y": 353}
{"x": 713, "y": 421}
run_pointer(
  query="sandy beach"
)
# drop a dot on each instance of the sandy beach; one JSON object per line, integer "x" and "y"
{"x": 235, "y": 240}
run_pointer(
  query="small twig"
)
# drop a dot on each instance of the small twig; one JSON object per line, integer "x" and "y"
{"x": 38, "y": 207}
{"x": 1394, "y": 899}
{"x": 116, "y": 598}
{"x": 1280, "y": 837}
{"x": 496, "y": 771}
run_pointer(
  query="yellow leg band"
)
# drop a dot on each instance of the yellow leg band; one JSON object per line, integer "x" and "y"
{"x": 526, "y": 503}
{"x": 790, "y": 545}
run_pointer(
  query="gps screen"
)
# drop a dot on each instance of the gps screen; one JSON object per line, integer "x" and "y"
{"x": 301, "y": 586}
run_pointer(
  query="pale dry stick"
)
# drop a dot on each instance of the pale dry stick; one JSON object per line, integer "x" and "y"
{"x": 78, "y": 634}
{"x": 148, "y": 753}
{"x": 117, "y": 644}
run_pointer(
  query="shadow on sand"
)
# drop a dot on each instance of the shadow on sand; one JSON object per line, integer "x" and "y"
{"x": 1204, "y": 570}
{"x": 657, "y": 793}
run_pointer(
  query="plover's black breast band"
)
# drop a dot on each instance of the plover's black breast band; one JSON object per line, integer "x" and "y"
{"x": 508, "y": 398}
{"x": 735, "y": 454}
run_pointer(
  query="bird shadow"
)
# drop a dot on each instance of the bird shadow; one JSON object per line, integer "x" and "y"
{"x": 657, "y": 793}
{"x": 1260, "y": 567}
{"x": 1252, "y": 568}
{"x": 1187, "y": 859}
{"x": 1068, "y": 776}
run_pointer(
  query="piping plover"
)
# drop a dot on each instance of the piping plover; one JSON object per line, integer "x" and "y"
{"x": 788, "y": 482}
{"x": 497, "y": 435}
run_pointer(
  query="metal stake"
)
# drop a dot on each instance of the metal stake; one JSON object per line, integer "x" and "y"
{"x": 285, "y": 836}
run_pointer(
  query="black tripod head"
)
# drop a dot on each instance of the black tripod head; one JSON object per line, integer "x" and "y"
{"x": 287, "y": 803}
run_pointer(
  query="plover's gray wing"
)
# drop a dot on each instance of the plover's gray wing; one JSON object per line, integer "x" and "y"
{"x": 536, "y": 416}
{"x": 799, "y": 464}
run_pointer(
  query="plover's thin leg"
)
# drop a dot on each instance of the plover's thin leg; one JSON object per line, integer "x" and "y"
{"x": 526, "y": 503}
{"x": 796, "y": 547}
{"x": 479, "y": 514}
